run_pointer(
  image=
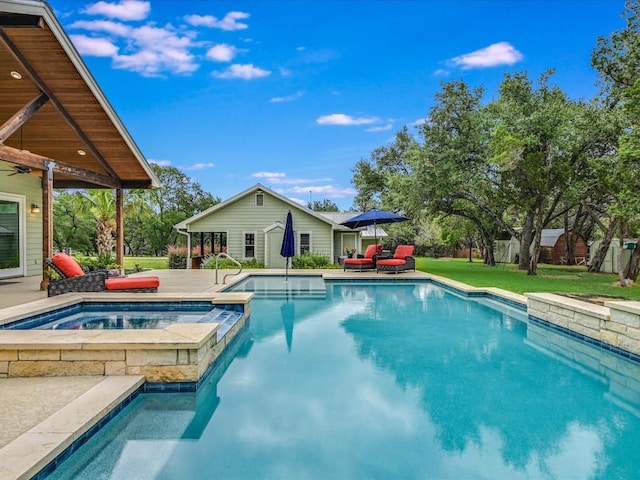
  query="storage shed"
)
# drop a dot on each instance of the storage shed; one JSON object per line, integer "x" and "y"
{"x": 553, "y": 248}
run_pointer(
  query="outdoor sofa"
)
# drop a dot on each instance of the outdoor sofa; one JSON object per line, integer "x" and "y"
{"x": 363, "y": 262}
{"x": 74, "y": 279}
{"x": 401, "y": 261}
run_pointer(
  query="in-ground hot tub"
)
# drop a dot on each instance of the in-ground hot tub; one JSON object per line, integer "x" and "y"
{"x": 176, "y": 341}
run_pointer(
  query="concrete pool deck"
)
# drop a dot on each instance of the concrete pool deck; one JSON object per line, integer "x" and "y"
{"x": 46, "y": 414}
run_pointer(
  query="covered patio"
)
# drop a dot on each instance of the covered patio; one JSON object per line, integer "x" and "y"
{"x": 57, "y": 131}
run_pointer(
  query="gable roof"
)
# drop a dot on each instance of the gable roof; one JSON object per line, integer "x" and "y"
{"x": 184, "y": 225}
{"x": 52, "y": 109}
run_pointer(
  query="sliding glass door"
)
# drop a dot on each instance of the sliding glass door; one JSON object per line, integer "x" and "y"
{"x": 12, "y": 232}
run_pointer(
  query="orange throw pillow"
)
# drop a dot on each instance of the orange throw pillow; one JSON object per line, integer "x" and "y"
{"x": 67, "y": 265}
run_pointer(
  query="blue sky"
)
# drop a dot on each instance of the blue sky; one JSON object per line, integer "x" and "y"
{"x": 293, "y": 94}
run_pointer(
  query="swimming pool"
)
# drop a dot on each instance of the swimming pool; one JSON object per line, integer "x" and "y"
{"x": 385, "y": 380}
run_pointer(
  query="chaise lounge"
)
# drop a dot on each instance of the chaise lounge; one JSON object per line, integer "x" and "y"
{"x": 74, "y": 279}
{"x": 364, "y": 262}
{"x": 401, "y": 261}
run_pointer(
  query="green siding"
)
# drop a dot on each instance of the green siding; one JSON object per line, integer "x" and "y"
{"x": 29, "y": 187}
{"x": 243, "y": 216}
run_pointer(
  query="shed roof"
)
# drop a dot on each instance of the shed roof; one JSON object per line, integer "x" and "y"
{"x": 52, "y": 109}
{"x": 550, "y": 236}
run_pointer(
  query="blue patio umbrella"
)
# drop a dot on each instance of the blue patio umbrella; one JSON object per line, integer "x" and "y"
{"x": 373, "y": 217}
{"x": 288, "y": 248}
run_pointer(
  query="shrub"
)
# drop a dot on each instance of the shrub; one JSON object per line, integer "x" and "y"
{"x": 310, "y": 260}
{"x": 226, "y": 263}
{"x": 177, "y": 257}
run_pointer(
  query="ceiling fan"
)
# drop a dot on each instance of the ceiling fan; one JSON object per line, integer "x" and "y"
{"x": 17, "y": 169}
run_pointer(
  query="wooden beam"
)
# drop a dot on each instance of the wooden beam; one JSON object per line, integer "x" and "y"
{"x": 120, "y": 229}
{"x": 41, "y": 84}
{"x": 47, "y": 225}
{"x": 20, "y": 117}
{"x": 28, "y": 159}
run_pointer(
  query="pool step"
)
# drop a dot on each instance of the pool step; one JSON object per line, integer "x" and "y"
{"x": 225, "y": 318}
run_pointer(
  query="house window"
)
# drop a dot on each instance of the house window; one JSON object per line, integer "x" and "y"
{"x": 305, "y": 243}
{"x": 219, "y": 242}
{"x": 259, "y": 200}
{"x": 249, "y": 245}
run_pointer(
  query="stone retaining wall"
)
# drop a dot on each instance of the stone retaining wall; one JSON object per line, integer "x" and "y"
{"x": 617, "y": 323}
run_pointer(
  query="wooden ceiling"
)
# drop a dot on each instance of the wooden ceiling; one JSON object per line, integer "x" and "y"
{"x": 56, "y": 112}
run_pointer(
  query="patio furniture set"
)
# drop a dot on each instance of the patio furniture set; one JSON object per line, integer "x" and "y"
{"x": 373, "y": 259}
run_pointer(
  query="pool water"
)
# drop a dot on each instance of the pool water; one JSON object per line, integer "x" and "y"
{"x": 123, "y": 315}
{"x": 376, "y": 380}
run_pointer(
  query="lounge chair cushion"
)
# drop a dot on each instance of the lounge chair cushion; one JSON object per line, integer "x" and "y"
{"x": 67, "y": 265}
{"x": 392, "y": 262}
{"x": 358, "y": 261}
{"x": 131, "y": 283}
{"x": 367, "y": 258}
{"x": 403, "y": 251}
{"x": 372, "y": 250}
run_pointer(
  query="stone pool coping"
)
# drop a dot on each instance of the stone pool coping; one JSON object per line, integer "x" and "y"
{"x": 177, "y": 353}
{"x": 30, "y": 453}
{"x": 614, "y": 326}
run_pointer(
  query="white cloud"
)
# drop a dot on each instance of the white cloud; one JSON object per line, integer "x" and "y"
{"x": 289, "y": 98}
{"x": 502, "y": 53}
{"x": 243, "y": 71}
{"x": 113, "y": 28}
{"x": 269, "y": 175}
{"x": 148, "y": 50}
{"x": 280, "y": 178}
{"x": 420, "y": 121}
{"x": 200, "y": 166}
{"x": 441, "y": 72}
{"x": 94, "y": 47}
{"x": 301, "y": 49}
{"x": 329, "y": 191}
{"x": 162, "y": 163}
{"x": 222, "y": 52}
{"x": 342, "y": 119}
{"x": 229, "y": 22}
{"x": 381, "y": 128}
{"x": 123, "y": 10}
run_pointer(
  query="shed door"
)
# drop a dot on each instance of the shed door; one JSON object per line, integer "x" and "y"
{"x": 274, "y": 243}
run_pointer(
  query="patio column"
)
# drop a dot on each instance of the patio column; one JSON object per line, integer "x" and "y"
{"x": 47, "y": 221}
{"x": 120, "y": 228}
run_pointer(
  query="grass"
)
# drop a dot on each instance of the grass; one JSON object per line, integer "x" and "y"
{"x": 550, "y": 278}
{"x": 155, "y": 263}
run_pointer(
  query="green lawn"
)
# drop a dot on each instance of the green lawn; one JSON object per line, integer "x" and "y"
{"x": 155, "y": 263}
{"x": 550, "y": 278}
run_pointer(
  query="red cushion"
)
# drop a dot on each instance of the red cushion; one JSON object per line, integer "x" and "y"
{"x": 392, "y": 262}
{"x": 358, "y": 261}
{"x": 67, "y": 265}
{"x": 370, "y": 251}
{"x": 129, "y": 283}
{"x": 403, "y": 251}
